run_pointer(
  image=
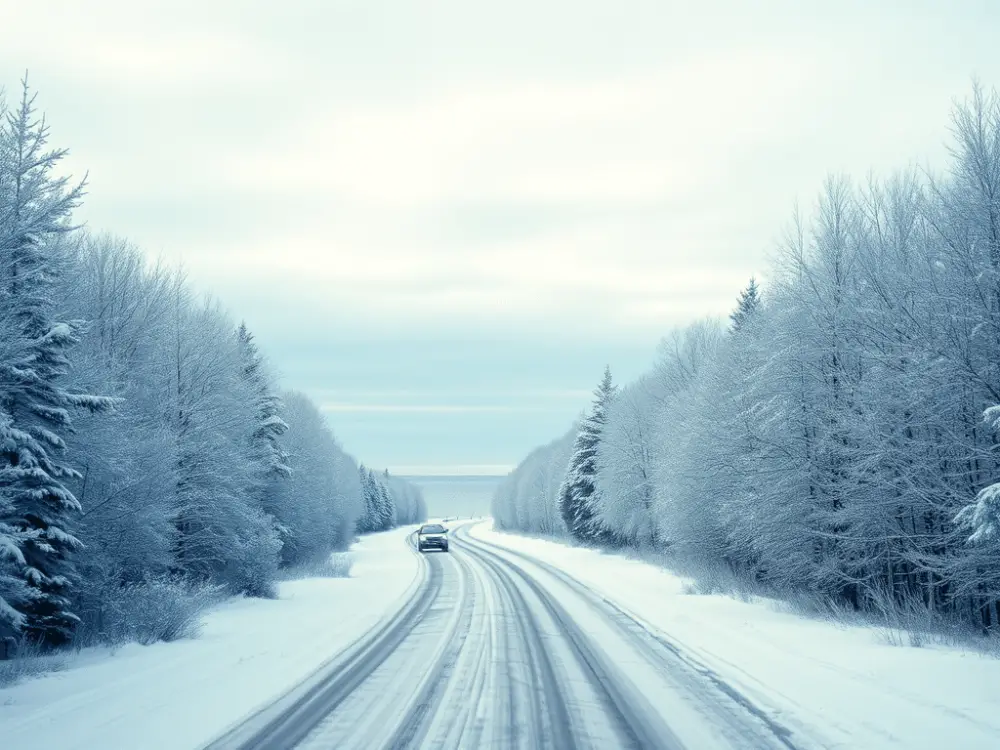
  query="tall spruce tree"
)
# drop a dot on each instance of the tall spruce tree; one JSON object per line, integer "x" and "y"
{"x": 576, "y": 495}
{"x": 13, "y": 586}
{"x": 746, "y": 305}
{"x": 386, "y": 506}
{"x": 366, "y": 520}
{"x": 269, "y": 460}
{"x": 36, "y": 505}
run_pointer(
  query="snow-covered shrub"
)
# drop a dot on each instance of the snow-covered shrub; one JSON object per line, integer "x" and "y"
{"x": 337, "y": 565}
{"x": 30, "y": 660}
{"x": 158, "y": 609}
{"x": 254, "y": 570}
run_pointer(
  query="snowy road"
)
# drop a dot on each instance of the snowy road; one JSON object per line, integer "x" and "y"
{"x": 497, "y": 649}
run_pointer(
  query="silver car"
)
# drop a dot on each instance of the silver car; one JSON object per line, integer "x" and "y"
{"x": 432, "y": 536}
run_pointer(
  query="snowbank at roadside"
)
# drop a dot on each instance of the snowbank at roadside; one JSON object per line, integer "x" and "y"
{"x": 182, "y": 694}
{"x": 839, "y": 686}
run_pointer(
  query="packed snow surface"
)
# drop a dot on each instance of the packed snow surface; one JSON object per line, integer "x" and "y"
{"x": 181, "y": 695}
{"x": 456, "y": 650}
{"x": 832, "y": 685}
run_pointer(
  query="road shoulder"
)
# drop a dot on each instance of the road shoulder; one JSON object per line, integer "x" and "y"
{"x": 182, "y": 694}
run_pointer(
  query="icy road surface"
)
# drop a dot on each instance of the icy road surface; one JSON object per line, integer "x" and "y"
{"x": 497, "y": 650}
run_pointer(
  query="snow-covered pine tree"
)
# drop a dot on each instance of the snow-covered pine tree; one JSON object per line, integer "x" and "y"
{"x": 378, "y": 503}
{"x": 376, "y": 507}
{"x": 365, "y": 521}
{"x": 269, "y": 460}
{"x": 371, "y": 501}
{"x": 399, "y": 494}
{"x": 379, "y": 509}
{"x": 746, "y": 306}
{"x": 13, "y": 586}
{"x": 576, "y": 495}
{"x": 981, "y": 518}
{"x": 386, "y": 506}
{"x": 625, "y": 464}
{"x": 37, "y": 507}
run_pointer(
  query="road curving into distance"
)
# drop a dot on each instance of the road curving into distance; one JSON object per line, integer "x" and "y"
{"x": 493, "y": 648}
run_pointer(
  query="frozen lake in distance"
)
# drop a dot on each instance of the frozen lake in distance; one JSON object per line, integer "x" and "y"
{"x": 457, "y": 495}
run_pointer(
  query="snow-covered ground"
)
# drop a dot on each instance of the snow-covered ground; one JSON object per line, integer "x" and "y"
{"x": 181, "y": 695}
{"x": 838, "y": 686}
{"x": 471, "y": 660}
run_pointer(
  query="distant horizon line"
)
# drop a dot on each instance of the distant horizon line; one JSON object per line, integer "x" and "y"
{"x": 421, "y": 477}
{"x": 456, "y": 471}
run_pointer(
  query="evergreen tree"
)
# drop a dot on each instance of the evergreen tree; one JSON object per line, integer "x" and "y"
{"x": 982, "y": 517}
{"x": 13, "y": 586}
{"x": 746, "y": 305}
{"x": 266, "y": 453}
{"x": 576, "y": 495}
{"x": 379, "y": 505}
{"x": 366, "y": 521}
{"x": 36, "y": 505}
{"x": 371, "y": 502}
{"x": 386, "y": 506}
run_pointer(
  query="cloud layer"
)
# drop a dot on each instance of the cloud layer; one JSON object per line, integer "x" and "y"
{"x": 532, "y": 188}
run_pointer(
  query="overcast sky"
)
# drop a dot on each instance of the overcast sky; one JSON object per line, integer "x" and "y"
{"x": 443, "y": 218}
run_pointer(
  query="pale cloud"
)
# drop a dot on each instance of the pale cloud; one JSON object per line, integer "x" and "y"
{"x": 614, "y": 140}
{"x": 189, "y": 58}
{"x": 530, "y": 176}
{"x": 607, "y": 274}
{"x": 147, "y": 44}
{"x": 645, "y": 175}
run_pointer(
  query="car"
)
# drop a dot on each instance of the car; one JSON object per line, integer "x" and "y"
{"x": 432, "y": 536}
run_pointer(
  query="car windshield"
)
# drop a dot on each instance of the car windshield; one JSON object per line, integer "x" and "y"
{"x": 434, "y": 528}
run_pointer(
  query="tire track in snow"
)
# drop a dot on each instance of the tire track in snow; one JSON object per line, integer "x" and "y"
{"x": 549, "y": 716}
{"x": 287, "y": 721}
{"x": 426, "y": 702}
{"x": 491, "y": 705}
{"x": 657, "y": 647}
{"x": 375, "y": 712}
{"x": 638, "y": 723}
{"x": 498, "y": 662}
